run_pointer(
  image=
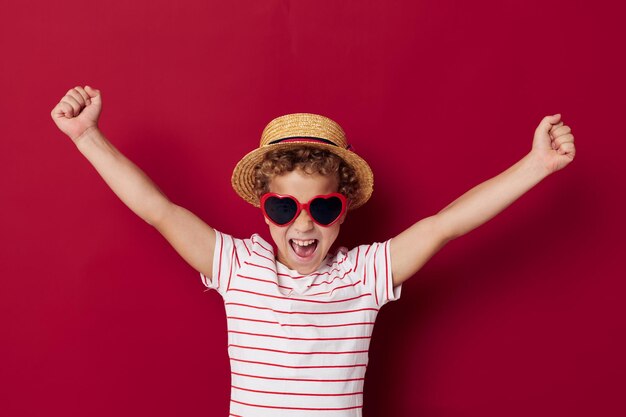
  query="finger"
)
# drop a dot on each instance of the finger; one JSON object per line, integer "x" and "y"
{"x": 561, "y": 130}
{"x": 68, "y": 110}
{"x": 553, "y": 127}
{"x": 83, "y": 94}
{"x": 76, "y": 107}
{"x": 543, "y": 128}
{"x": 547, "y": 122}
{"x": 568, "y": 138}
{"x": 63, "y": 109}
{"x": 93, "y": 93}
{"x": 77, "y": 96}
{"x": 567, "y": 148}
{"x": 60, "y": 110}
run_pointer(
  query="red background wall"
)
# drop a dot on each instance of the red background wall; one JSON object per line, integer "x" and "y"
{"x": 522, "y": 317}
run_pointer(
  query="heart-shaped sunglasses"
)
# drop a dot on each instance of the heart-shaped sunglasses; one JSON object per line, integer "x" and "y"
{"x": 283, "y": 209}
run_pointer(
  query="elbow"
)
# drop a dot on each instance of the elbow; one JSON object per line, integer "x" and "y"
{"x": 156, "y": 217}
{"x": 441, "y": 228}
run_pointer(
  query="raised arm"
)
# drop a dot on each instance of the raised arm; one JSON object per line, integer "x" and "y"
{"x": 552, "y": 149}
{"x": 77, "y": 116}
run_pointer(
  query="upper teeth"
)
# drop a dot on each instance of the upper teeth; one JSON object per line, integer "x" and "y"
{"x": 303, "y": 242}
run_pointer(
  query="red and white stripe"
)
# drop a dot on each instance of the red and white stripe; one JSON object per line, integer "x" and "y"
{"x": 298, "y": 345}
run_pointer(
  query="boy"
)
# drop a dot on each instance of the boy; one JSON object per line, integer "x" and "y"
{"x": 300, "y": 320}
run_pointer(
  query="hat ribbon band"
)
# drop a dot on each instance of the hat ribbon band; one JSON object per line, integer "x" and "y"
{"x": 305, "y": 139}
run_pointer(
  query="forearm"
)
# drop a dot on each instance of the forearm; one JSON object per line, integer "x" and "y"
{"x": 489, "y": 198}
{"x": 125, "y": 178}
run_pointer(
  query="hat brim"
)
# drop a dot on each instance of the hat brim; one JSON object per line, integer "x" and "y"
{"x": 242, "y": 179}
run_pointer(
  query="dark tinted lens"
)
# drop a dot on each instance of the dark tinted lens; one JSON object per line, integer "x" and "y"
{"x": 325, "y": 210}
{"x": 280, "y": 210}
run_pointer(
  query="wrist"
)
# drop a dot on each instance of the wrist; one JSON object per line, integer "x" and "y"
{"x": 537, "y": 165}
{"x": 86, "y": 135}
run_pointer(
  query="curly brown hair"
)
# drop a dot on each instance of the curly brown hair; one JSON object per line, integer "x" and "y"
{"x": 309, "y": 159}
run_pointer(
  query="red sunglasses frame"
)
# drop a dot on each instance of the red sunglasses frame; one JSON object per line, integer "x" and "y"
{"x": 305, "y": 207}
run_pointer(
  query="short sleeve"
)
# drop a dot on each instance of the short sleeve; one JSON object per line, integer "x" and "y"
{"x": 372, "y": 266}
{"x": 227, "y": 258}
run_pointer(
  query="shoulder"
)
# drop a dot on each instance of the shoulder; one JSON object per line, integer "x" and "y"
{"x": 259, "y": 244}
{"x": 368, "y": 251}
{"x": 252, "y": 247}
{"x": 360, "y": 256}
{"x": 225, "y": 242}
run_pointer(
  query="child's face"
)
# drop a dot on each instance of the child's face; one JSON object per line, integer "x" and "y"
{"x": 303, "y": 187}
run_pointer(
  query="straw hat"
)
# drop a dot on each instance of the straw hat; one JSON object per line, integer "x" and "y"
{"x": 296, "y": 129}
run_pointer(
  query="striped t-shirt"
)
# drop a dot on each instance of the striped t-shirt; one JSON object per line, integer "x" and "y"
{"x": 298, "y": 345}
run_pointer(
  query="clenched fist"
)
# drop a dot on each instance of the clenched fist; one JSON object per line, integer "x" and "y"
{"x": 553, "y": 143}
{"x": 78, "y": 111}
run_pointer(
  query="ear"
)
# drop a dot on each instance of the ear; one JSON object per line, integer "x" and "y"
{"x": 343, "y": 217}
{"x": 267, "y": 222}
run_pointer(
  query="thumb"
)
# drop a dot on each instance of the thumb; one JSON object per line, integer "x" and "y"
{"x": 546, "y": 123}
{"x": 94, "y": 94}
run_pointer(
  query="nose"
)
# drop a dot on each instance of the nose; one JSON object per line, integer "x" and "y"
{"x": 303, "y": 222}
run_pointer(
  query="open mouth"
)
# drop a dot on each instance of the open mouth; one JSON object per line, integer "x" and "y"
{"x": 303, "y": 248}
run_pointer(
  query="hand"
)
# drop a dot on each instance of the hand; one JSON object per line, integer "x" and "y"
{"x": 78, "y": 111}
{"x": 553, "y": 144}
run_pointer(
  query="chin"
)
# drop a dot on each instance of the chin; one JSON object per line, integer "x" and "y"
{"x": 308, "y": 270}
